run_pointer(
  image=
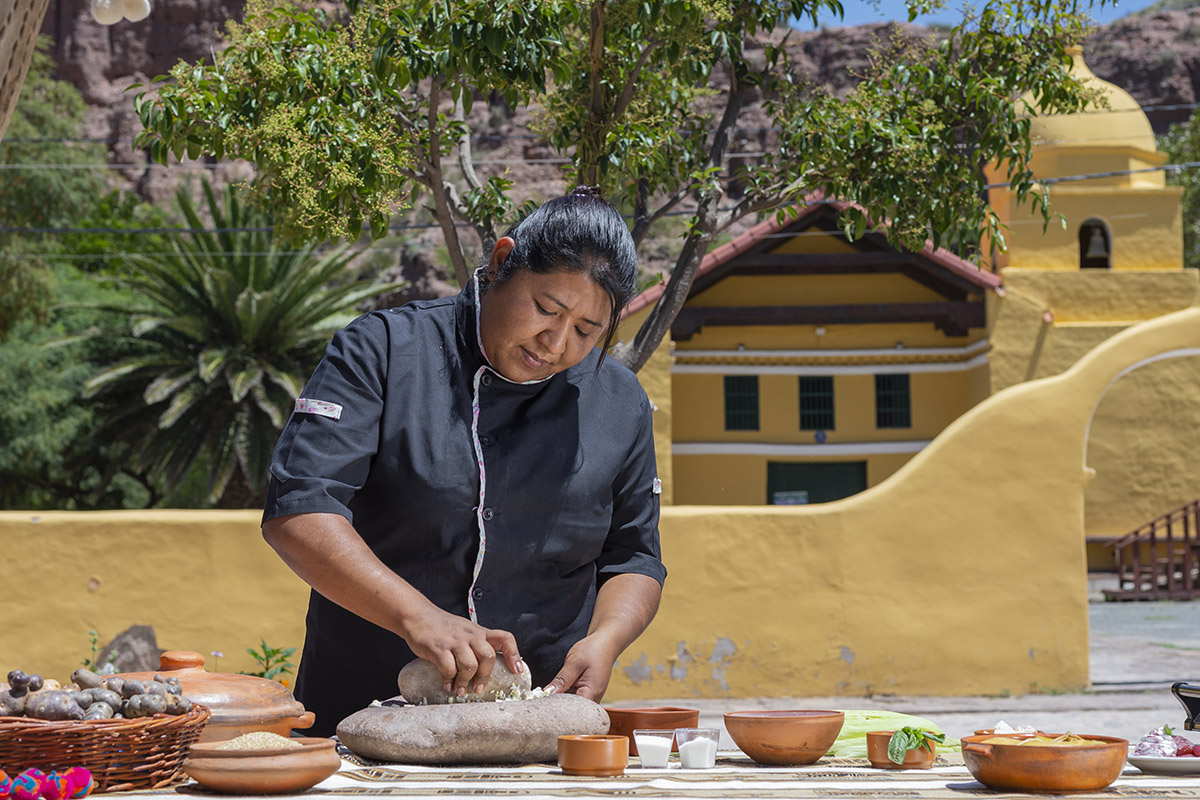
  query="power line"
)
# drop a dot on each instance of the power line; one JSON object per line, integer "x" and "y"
{"x": 484, "y": 137}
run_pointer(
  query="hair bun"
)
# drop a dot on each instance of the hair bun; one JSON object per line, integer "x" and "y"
{"x": 583, "y": 190}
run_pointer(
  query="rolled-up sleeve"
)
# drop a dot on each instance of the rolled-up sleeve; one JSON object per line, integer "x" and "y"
{"x": 324, "y": 453}
{"x": 632, "y": 545}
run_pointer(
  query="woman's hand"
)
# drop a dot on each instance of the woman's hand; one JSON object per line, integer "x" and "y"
{"x": 463, "y": 652}
{"x": 326, "y": 551}
{"x": 625, "y": 604}
{"x": 587, "y": 669}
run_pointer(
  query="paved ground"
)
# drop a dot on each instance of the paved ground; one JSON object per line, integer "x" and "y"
{"x": 1137, "y": 651}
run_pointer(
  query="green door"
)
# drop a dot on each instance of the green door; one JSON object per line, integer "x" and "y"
{"x": 792, "y": 483}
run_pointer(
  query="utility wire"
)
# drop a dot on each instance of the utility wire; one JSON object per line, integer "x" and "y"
{"x": 491, "y": 136}
{"x": 69, "y": 230}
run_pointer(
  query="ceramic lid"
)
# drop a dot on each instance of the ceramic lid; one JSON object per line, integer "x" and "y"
{"x": 232, "y": 699}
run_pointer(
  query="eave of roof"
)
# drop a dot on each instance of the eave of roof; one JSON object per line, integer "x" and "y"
{"x": 944, "y": 258}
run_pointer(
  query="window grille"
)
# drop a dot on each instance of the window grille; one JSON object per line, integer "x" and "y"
{"x": 816, "y": 403}
{"x": 893, "y": 402}
{"x": 741, "y": 402}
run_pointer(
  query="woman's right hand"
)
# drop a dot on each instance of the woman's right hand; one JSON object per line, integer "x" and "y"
{"x": 326, "y": 551}
{"x": 464, "y": 652}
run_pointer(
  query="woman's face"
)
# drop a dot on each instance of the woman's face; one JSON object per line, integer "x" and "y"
{"x": 536, "y": 325}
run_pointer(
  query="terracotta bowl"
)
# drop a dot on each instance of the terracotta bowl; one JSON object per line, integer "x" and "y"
{"x": 624, "y": 721}
{"x": 877, "y": 753}
{"x": 1029, "y": 768}
{"x": 592, "y": 755}
{"x": 784, "y": 737}
{"x": 277, "y": 771}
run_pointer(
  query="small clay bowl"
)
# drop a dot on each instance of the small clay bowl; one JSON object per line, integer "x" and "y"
{"x": 593, "y": 755}
{"x": 877, "y": 753}
{"x": 276, "y": 771}
{"x": 784, "y": 738}
{"x": 1033, "y": 768}
{"x": 624, "y": 721}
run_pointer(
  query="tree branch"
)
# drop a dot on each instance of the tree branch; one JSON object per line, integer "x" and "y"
{"x": 643, "y": 221}
{"x": 631, "y": 83}
{"x": 464, "y": 147}
{"x": 658, "y": 323}
{"x": 589, "y": 145}
{"x": 437, "y": 187}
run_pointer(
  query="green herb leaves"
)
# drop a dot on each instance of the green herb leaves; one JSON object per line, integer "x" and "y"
{"x": 909, "y": 738}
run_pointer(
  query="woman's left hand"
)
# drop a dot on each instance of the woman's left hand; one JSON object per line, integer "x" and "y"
{"x": 587, "y": 669}
{"x": 625, "y": 604}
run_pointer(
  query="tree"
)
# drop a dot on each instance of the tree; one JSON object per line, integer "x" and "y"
{"x": 51, "y": 453}
{"x": 1182, "y": 146}
{"x": 348, "y": 116}
{"x": 39, "y": 199}
{"x": 222, "y": 336}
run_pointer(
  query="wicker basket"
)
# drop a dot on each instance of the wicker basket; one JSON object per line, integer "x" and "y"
{"x": 122, "y": 754}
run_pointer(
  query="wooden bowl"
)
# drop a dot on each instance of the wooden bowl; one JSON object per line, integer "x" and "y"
{"x": 593, "y": 755}
{"x": 624, "y": 721}
{"x": 276, "y": 771}
{"x": 877, "y": 753}
{"x": 1030, "y": 768}
{"x": 784, "y": 737}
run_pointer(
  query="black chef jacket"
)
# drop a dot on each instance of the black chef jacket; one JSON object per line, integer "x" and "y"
{"x": 383, "y": 436}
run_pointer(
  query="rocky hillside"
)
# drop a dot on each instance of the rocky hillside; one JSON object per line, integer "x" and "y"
{"x": 1155, "y": 56}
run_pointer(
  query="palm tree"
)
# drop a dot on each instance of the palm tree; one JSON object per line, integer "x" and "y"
{"x": 229, "y": 326}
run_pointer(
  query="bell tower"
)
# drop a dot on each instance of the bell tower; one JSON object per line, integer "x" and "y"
{"x": 1120, "y": 214}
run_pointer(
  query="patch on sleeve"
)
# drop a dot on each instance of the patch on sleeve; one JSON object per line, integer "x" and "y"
{"x": 656, "y": 487}
{"x": 318, "y": 407}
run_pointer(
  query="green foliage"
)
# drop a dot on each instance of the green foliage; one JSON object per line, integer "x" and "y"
{"x": 910, "y": 738}
{"x": 46, "y": 123}
{"x": 273, "y": 662}
{"x": 52, "y": 455}
{"x": 334, "y": 113}
{"x": 221, "y": 335}
{"x": 1182, "y": 145}
{"x": 345, "y": 119}
{"x": 90, "y": 662}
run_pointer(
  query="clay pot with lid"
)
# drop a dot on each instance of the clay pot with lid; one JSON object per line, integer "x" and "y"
{"x": 239, "y": 703}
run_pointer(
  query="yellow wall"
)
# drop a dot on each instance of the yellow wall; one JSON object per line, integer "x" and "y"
{"x": 1145, "y": 447}
{"x": 741, "y": 480}
{"x": 920, "y": 585}
{"x": 814, "y": 290}
{"x": 205, "y": 580}
{"x": 836, "y": 337}
{"x": 1145, "y": 440}
{"x": 937, "y": 398}
{"x": 655, "y": 377}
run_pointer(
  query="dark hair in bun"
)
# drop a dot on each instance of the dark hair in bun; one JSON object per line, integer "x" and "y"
{"x": 579, "y": 232}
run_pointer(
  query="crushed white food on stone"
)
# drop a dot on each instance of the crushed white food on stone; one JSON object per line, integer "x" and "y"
{"x": 515, "y": 693}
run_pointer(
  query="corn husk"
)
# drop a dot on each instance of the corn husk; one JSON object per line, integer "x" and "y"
{"x": 852, "y": 741}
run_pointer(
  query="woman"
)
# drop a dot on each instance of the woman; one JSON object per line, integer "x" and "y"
{"x": 469, "y": 478}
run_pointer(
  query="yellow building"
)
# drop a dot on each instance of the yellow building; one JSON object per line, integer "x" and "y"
{"x": 807, "y": 368}
{"x": 804, "y": 367}
{"x": 1117, "y": 260}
